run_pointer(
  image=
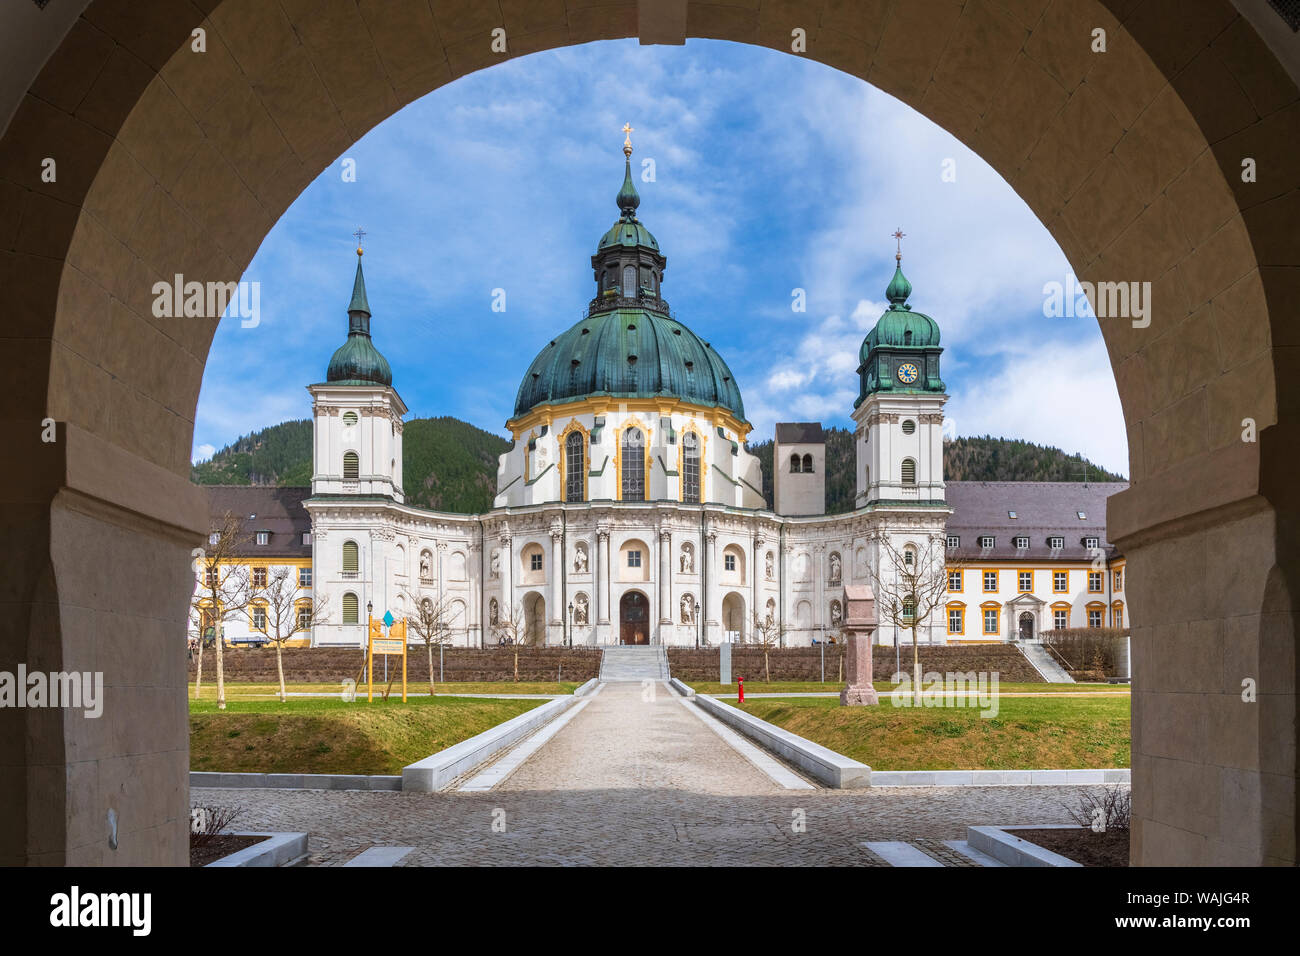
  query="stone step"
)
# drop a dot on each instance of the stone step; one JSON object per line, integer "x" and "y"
{"x": 621, "y": 663}
{"x": 979, "y": 856}
{"x": 899, "y": 853}
{"x": 1044, "y": 663}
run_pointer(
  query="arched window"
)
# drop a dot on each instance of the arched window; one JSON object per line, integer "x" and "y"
{"x": 807, "y": 463}
{"x": 909, "y": 471}
{"x": 350, "y": 611}
{"x": 794, "y": 464}
{"x": 575, "y": 467}
{"x": 351, "y": 466}
{"x": 690, "y": 468}
{"x": 629, "y": 281}
{"x": 350, "y": 562}
{"x": 633, "y": 465}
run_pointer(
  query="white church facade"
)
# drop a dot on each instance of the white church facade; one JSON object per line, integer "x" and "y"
{"x": 628, "y": 509}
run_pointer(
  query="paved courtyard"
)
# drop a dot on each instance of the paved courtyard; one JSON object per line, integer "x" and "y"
{"x": 632, "y": 781}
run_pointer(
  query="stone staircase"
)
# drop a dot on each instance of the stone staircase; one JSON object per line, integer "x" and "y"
{"x": 1043, "y": 661}
{"x": 634, "y": 663}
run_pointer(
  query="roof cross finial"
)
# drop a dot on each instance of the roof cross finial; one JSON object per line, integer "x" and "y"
{"x": 360, "y": 234}
{"x": 627, "y": 139}
{"x": 898, "y": 235}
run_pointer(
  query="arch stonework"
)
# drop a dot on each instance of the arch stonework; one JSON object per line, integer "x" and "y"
{"x": 174, "y": 162}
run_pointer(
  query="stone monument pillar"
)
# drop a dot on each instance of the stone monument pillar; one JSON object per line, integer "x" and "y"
{"x": 859, "y": 627}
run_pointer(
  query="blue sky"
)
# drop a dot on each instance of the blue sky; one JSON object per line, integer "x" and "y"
{"x": 771, "y": 173}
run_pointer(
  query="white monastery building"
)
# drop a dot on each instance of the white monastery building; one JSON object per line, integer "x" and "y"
{"x": 628, "y": 509}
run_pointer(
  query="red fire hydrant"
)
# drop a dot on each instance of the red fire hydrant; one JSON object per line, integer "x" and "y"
{"x": 741, "y": 682}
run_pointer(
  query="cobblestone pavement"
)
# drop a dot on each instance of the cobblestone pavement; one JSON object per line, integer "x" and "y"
{"x": 629, "y": 782}
{"x": 634, "y": 827}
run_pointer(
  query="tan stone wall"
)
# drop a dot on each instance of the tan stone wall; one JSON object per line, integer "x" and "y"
{"x": 171, "y": 161}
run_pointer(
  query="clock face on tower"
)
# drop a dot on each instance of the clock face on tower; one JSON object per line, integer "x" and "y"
{"x": 907, "y": 373}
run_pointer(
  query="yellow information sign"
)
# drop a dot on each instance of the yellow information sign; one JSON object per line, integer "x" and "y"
{"x": 394, "y": 643}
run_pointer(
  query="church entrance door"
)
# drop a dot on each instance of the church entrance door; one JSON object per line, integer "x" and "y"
{"x": 1026, "y": 626}
{"x": 634, "y": 618}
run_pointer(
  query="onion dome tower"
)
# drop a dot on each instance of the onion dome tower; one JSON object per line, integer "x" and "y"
{"x": 899, "y": 409}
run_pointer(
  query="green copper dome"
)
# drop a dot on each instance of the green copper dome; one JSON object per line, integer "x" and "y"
{"x": 901, "y": 353}
{"x": 357, "y": 361}
{"x": 899, "y": 326}
{"x": 629, "y": 345}
{"x": 629, "y": 353}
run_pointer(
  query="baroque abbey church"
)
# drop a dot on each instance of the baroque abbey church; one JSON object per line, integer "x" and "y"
{"x": 628, "y": 509}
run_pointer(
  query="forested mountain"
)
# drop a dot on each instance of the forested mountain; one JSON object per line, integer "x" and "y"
{"x": 447, "y": 464}
{"x": 964, "y": 459}
{"x": 450, "y": 465}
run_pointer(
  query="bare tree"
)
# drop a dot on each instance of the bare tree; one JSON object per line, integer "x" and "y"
{"x": 768, "y": 632}
{"x": 514, "y": 631}
{"x": 430, "y": 622}
{"x": 910, "y": 584}
{"x": 223, "y": 590}
{"x": 287, "y": 615}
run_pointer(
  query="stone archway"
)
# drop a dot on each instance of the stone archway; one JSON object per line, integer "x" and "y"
{"x": 172, "y": 162}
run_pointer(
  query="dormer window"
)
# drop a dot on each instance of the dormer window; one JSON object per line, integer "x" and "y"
{"x": 1090, "y": 543}
{"x": 1056, "y": 543}
{"x": 986, "y": 541}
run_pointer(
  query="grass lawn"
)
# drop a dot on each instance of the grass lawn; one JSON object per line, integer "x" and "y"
{"x": 1028, "y": 733}
{"x": 256, "y": 691}
{"x": 325, "y": 735}
{"x": 812, "y": 687}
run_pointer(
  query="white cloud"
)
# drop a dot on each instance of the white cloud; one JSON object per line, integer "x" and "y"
{"x": 202, "y": 453}
{"x": 1065, "y": 398}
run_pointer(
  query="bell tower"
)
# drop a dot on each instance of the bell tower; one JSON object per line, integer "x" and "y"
{"x": 899, "y": 411}
{"x": 357, "y": 414}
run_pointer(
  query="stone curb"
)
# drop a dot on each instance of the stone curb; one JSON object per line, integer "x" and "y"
{"x": 295, "y": 781}
{"x": 279, "y": 850}
{"x": 438, "y": 770}
{"x": 822, "y": 764}
{"x": 681, "y": 688}
{"x": 1012, "y": 850}
{"x": 586, "y": 688}
{"x": 997, "y": 778}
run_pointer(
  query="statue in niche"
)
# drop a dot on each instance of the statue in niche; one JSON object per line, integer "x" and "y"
{"x": 835, "y": 567}
{"x": 688, "y": 609}
{"x": 770, "y": 619}
{"x": 426, "y": 571}
{"x": 769, "y": 566}
{"x": 494, "y": 616}
{"x": 837, "y": 614}
{"x": 688, "y": 559}
{"x": 580, "y": 560}
{"x": 580, "y": 609}
{"x": 496, "y": 564}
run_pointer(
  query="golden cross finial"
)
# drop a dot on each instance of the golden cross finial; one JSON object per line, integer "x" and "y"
{"x": 898, "y": 235}
{"x": 627, "y": 139}
{"x": 360, "y": 234}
